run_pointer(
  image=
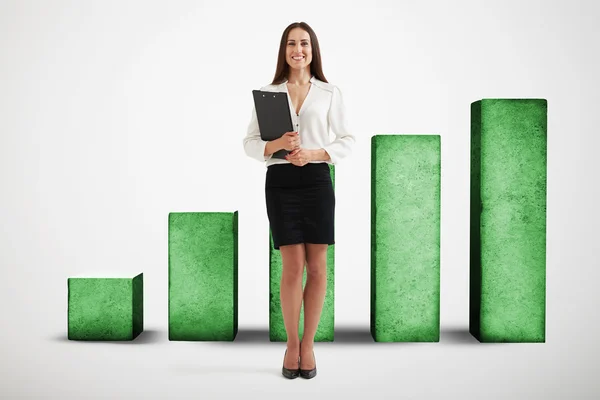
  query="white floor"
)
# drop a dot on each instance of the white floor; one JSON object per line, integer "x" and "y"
{"x": 354, "y": 366}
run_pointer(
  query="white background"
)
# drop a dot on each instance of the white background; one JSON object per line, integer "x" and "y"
{"x": 115, "y": 113}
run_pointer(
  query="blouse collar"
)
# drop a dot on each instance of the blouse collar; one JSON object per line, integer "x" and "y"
{"x": 311, "y": 80}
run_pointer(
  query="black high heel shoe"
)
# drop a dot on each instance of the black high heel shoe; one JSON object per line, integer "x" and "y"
{"x": 309, "y": 373}
{"x": 290, "y": 373}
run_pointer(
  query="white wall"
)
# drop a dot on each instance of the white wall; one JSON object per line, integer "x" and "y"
{"x": 113, "y": 114}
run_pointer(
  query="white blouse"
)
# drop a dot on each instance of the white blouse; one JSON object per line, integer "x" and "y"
{"x": 323, "y": 108}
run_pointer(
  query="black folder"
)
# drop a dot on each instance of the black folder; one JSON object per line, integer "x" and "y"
{"x": 274, "y": 116}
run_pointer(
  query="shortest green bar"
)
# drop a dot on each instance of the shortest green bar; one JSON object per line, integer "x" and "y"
{"x": 102, "y": 308}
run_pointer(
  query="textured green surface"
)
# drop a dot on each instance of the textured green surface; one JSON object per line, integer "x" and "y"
{"x": 277, "y": 331}
{"x": 105, "y": 308}
{"x": 203, "y": 276}
{"x": 405, "y": 238}
{"x": 508, "y": 220}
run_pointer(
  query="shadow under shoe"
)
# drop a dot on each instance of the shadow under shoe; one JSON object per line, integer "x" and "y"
{"x": 290, "y": 373}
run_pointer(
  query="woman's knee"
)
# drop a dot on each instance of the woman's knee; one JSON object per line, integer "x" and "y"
{"x": 316, "y": 260}
{"x": 293, "y": 259}
{"x": 316, "y": 270}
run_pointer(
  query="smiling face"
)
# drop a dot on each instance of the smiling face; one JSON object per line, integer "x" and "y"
{"x": 298, "y": 49}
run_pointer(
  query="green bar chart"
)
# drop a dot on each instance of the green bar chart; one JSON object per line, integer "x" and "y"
{"x": 507, "y": 248}
{"x": 203, "y": 276}
{"x": 508, "y": 220}
{"x": 325, "y": 330}
{"x": 405, "y": 238}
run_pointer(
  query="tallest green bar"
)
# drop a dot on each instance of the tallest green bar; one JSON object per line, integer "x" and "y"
{"x": 508, "y": 220}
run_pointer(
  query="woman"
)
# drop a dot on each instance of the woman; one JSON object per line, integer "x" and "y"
{"x": 299, "y": 192}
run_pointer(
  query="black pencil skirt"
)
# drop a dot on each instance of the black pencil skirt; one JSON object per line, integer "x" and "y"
{"x": 300, "y": 204}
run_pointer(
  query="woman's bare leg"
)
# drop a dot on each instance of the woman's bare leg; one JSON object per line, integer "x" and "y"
{"x": 293, "y": 258}
{"x": 314, "y": 297}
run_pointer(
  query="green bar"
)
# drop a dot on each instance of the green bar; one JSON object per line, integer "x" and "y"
{"x": 105, "y": 308}
{"x": 277, "y": 331}
{"x": 405, "y": 238}
{"x": 508, "y": 220}
{"x": 203, "y": 276}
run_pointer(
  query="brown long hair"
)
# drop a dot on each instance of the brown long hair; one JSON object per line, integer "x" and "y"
{"x": 283, "y": 68}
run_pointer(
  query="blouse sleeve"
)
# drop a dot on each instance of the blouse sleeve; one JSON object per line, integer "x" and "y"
{"x": 338, "y": 122}
{"x": 254, "y": 146}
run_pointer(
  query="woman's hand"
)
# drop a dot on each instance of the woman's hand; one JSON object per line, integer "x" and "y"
{"x": 300, "y": 157}
{"x": 289, "y": 141}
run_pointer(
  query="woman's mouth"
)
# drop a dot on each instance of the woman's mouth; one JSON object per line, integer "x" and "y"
{"x": 298, "y": 58}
